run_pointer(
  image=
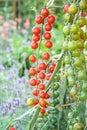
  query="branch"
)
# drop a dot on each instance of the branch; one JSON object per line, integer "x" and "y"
{"x": 34, "y": 118}
{"x": 55, "y": 70}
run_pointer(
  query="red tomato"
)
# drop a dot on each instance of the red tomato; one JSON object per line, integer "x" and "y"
{"x": 42, "y": 94}
{"x": 33, "y": 82}
{"x": 49, "y": 44}
{"x": 32, "y": 58}
{"x": 66, "y": 8}
{"x": 48, "y": 76}
{"x": 42, "y": 111}
{"x": 48, "y": 27}
{"x": 12, "y": 128}
{"x": 32, "y": 71}
{"x": 39, "y": 19}
{"x": 41, "y": 75}
{"x": 34, "y": 45}
{"x": 51, "y": 69}
{"x": 36, "y": 37}
{"x": 36, "y": 101}
{"x": 47, "y": 35}
{"x": 35, "y": 92}
{"x": 46, "y": 56}
{"x": 53, "y": 63}
{"x": 51, "y": 19}
{"x": 44, "y": 12}
{"x": 42, "y": 102}
{"x": 42, "y": 66}
{"x": 47, "y": 96}
{"x": 38, "y": 81}
{"x": 41, "y": 86}
{"x": 36, "y": 30}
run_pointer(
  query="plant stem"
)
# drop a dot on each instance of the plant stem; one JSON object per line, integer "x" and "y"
{"x": 34, "y": 118}
{"x": 56, "y": 69}
{"x": 19, "y": 118}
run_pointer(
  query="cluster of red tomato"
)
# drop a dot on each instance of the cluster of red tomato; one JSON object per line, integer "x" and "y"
{"x": 39, "y": 72}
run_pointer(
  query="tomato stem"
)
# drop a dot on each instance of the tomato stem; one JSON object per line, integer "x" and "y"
{"x": 34, "y": 118}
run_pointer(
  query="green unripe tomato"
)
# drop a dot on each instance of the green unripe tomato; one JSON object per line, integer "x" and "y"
{"x": 72, "y": 45}
{"x": 65, "y": 45}
{"x": 85, "y": 44}
{"x": 83, "y": 4}
{"x": 83, "y": 96}
{"x": 76, "y": 36}
{"x": 81, "y": 33}
{"x": 76, "y": 53}
{"x": 66, "y": 30}
{"x": 81, "y": 22}
{"x": 77, "y": 62}
{"x": 78, "y": 126}
{"x": 80, "y": 43}
{"x": 70, "y": 115}
{"x": 56, "y": 86}
{"x": 56, "y": 94}
{"x": 67, "y": 60}
{"x": 82, "y": 57}
{"x": 71, "y": 80}
{"x": 74, "y": 28}
{"x": 84, "y": 86}
{"x": 68, "y": 17}
{"x": 70, "y": 72}
{"x": 73, "y": 91}
{"x": 81, "y": 75}
{"x": 72, "y": 9}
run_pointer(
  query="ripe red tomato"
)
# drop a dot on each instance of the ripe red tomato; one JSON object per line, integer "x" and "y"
{"x": 32, "y": 58}
{"x": 83, "y": 14}
{"x": 33, "y": 82}
{"x": 36, "y": 101}
{"x": 36, "y": 30}
{"x": 46, "y": 56}
{"x": 39, "y": 19}
{"x": 50, "y": 19}
{"x": 47, "y": 96}
{"x": 48, "y": 44}
{"x": 38, "y": 81}
{"x": 48, "y": 27}
{"x": 42, "y": 102}
{"x": 42, "y": 66}
{"x": 47, "y": 35}
{"x": 42, "y": 94}
{"x": 42, "y": 111}
{"x": 51, "y": 69}
{"x": 54, "y": 63}
{"x": 34, "y": 45}
{"x": 12, "y": 128}
{"x": 32, "y": 71}
{"x": 41, "y": 75}
{"x": 35, "y": 92}
{"x": 48, "y": 76}
{"x": 66, "y": 8}
{"x": 41, "y": 86}
{"x": 36, "y": 37}
{"x": 44, "y": 12}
